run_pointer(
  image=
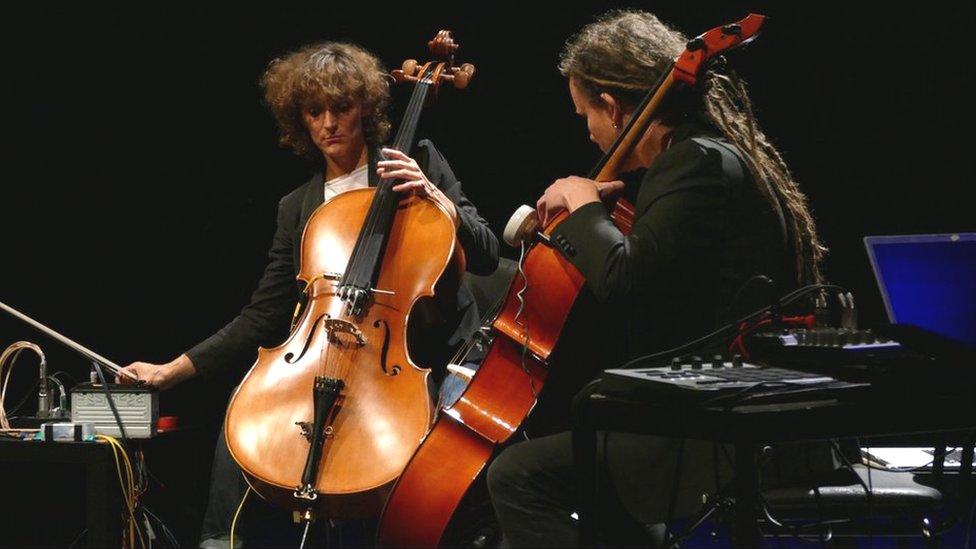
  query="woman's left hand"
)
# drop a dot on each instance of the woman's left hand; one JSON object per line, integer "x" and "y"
{"x": 413, "y": 180}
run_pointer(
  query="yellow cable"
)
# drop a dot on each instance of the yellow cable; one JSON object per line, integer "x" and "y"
{"x": 122, "y": 486}
{"x": 233, "y": 523}
{"x": 128, "y": 488}
{"x": 125, "y": 494}
{"x": 133, "y": 525}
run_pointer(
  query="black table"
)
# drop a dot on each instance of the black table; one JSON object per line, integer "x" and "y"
{"x": 871, "y": 411}
{"x": 56, "y": 489}
{"x": 52, "y": 491}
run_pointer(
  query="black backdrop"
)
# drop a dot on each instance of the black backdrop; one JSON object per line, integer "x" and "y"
{"x": 140, "y": 171}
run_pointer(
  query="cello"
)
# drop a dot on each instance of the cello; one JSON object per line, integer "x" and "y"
{"x": 526, "y": 334}
{"x": 324, "y": 423}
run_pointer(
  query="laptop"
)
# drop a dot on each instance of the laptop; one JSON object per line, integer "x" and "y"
{"x": 928, "y": 281}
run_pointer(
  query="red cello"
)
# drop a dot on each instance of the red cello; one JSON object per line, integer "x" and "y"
{"x": 524, "y": 334}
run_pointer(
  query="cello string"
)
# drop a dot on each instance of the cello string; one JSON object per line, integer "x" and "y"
{"x": 356, "y": 260}
{"x": 326, "y": 360}
{"x": 365, "y": 253}
{"x": 390, "y": 199}
{"x": 386, "y": 208}
{"x": 339, "y": 361}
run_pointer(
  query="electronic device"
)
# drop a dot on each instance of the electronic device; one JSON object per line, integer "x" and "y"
{"x": 66, "y": 431}
{"x": 928, "y": 281}
{"x": 838, "y": 347}
{"x": 928, "y": 285}
{"x": 696, "y": 378}
{"x": 138, "y": 408}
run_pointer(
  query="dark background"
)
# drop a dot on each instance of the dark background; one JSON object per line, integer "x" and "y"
{"x": 140, "y": 171}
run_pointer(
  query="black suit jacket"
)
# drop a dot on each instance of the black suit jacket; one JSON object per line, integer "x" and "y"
{"x": 701, "y": 230}
{"x": 265, "y": 320}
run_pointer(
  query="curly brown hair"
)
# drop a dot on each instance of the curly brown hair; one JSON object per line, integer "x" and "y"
{"x": 330, "y": 73}
{"x": 625, "y": 52}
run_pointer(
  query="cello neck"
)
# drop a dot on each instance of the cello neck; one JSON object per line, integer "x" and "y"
{"x": 363, "y": 268}
{"x": 362, "y": 271}
{"x": 685, "y": 69}
{"x": 403, "y": 141}
{"x": 608, "y": 167}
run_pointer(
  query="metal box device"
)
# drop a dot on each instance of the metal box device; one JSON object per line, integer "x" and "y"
{"x": 138, "y": 409}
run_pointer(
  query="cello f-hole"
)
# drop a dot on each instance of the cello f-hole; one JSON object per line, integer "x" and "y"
{"x": 290, "y": 358}
{"x": 386, "y": 346}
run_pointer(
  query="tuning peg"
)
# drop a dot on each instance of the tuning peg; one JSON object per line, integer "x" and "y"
{"x": 463, "y": 76}
{"x": 409, "y": 67}
{"x": 733, "y": 28}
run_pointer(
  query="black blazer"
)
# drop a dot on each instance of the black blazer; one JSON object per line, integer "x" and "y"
{"x": 701, "y": 230}
{"x": 265, "y": 320}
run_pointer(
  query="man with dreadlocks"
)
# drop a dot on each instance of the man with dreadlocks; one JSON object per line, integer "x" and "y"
{"x": 715, "y": 208}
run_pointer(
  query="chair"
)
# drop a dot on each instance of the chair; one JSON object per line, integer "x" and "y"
{"x": 490, "y": 289}
{"x": 897, "y": 505}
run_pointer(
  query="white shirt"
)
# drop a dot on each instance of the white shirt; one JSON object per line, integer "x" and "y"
{"x": 355, "y": 179}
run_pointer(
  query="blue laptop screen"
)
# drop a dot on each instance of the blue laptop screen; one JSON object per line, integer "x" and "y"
{"x": 928, "y": 281}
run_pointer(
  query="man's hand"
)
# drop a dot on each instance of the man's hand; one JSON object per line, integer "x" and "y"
{"x": 570, "y": 193}
{"x": 413, "y": 180}
{"x": 161, "y": 376}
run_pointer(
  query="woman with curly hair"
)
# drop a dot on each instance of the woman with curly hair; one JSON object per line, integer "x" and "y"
{"x": 715, "y": 207}
{"x": 329, "y": 101}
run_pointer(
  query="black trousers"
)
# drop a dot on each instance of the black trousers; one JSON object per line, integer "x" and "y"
{"x": 227, "y": 487}
{"x": 642, "y": 481}
{"x": 534, "y": 488}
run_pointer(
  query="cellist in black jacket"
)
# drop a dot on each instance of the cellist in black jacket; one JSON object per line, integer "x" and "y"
{"x": 714, "y": 207}
{"x": 329, "y": 101}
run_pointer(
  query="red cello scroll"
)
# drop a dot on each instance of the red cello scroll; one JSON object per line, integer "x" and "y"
{"x": 524, "y": 335}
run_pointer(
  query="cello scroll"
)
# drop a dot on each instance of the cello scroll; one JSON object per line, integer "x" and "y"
{"x": 441, "y": 47}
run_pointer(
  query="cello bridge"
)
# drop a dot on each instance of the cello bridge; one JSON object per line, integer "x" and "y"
{"x": 335, "y": 326}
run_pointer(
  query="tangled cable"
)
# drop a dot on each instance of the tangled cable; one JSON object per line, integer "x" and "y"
{"x": 7, "y": 359}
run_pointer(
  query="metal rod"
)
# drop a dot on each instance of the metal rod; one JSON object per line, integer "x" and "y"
{"x": 304, "y": 535}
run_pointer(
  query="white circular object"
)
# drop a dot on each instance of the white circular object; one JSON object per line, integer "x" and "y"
{"x": 521, "y": 225}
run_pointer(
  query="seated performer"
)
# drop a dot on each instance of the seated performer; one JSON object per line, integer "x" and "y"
{"x": 329, "y": 101}
{"x": 716, "y": 206}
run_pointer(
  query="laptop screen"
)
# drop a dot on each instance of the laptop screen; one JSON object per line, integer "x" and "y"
{"x": 928, "y": 281}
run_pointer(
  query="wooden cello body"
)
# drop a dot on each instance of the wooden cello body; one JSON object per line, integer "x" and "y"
{"x": 496, "y": 402}
{"x": 526, "y": 334}
{"x": 384, "y": 410}
{"x": 324, "y": 423}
